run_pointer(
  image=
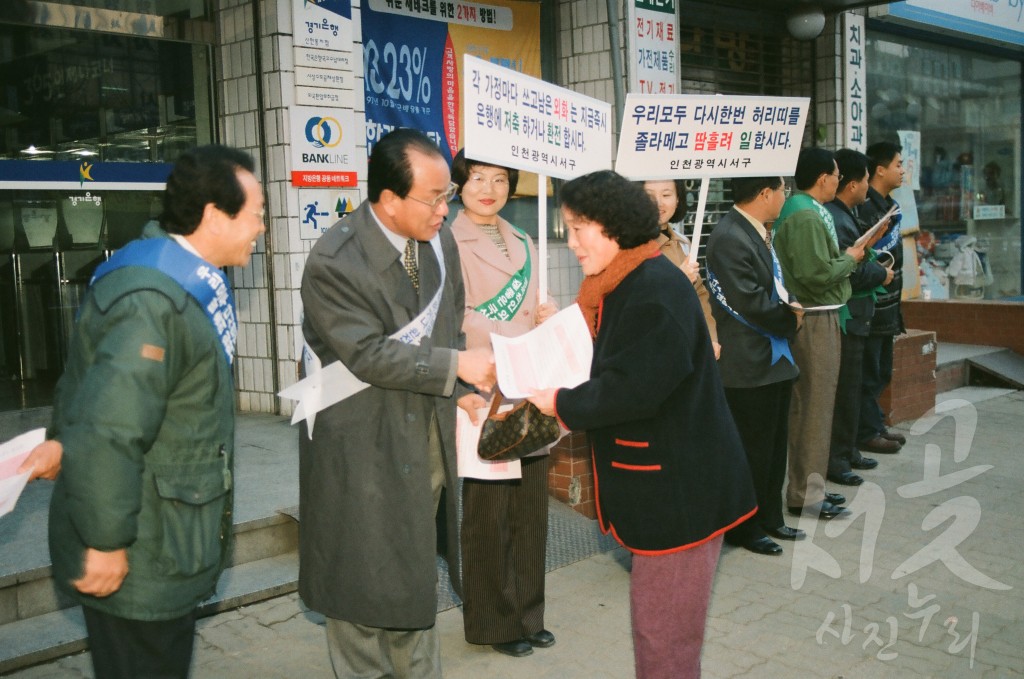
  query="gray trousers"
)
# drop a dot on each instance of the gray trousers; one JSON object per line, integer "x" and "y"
{"x": 364, "y": 652}
{"x": 817, "y": 352}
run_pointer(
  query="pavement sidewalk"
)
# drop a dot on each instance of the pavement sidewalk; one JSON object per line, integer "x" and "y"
{"x": 925, "y": 580}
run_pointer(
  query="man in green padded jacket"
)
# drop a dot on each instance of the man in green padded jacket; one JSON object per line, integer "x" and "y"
{"x": 142, "y": 437}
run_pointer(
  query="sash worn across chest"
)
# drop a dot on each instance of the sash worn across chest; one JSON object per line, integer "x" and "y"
{"x": 779, "y": 345}
{"x": 889, "y": 241}
{"x": 802, "y": 201}
{"x": 205, "y": 283}
{"x": 324, "y": 386}
{"x": 508, "y": 301}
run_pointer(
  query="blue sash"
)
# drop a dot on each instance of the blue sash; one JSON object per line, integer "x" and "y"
{"x": 779, "y": 345}
{"x": 203, "y": 281}
{"x": 892, "y": 237}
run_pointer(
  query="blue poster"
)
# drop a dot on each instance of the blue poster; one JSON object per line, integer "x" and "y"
{"x": 404, "y": 63}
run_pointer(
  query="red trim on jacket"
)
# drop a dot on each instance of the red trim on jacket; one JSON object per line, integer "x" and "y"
{"x": 673, "y": 550}
{"x": 558, "y": 417}
{"x": 637, "y": 467}
{"x": 633, "y": 444}
{"x": 597, "y": 494}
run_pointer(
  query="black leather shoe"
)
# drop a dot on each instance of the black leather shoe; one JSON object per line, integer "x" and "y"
{"x": 786, "y": 533}
{"x": 764, "y": 545}
{"x": 880, "y": 444}
{"x": 835, "y": 498}
{"x": 894, "y": 436}
{"x": 846, "y": 479}
{"x": 542, "y": 639}
{"x": 826, "y": 510}
{"x": 516, "y": 649}
{"x": 864, "y": 463}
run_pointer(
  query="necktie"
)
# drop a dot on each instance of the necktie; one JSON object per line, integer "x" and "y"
{"x": 409, "y": 260}
{"x": 768, "y": 238}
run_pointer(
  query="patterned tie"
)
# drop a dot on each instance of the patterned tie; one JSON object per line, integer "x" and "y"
{"x": 409, "y": 260}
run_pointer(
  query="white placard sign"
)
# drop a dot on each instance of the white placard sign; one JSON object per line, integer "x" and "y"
{"x": 694, "y": 136}
{"x": 522, "y": 122}
{"x": 323, "y": 148}
{"x": 322, "y": 24}
{"x": 320, "y": 208}
{"x": 854, "y": 81}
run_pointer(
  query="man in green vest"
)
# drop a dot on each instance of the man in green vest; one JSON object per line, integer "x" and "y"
{"x": 817, "y": 273}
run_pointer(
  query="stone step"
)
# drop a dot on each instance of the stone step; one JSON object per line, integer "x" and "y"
{"x": 29, "y": 592}
{"x": 952, "y": 364}
{"x": 58, "y": 633}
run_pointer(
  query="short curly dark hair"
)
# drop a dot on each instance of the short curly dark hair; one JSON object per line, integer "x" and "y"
{"x": 206, "y": 174}
{"x": 462, "y": 166}
{"x": 625, "y": 212}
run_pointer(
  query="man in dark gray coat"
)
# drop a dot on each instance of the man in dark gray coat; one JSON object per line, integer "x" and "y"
{"x": 754, "y": 328}
{"x": 372, "y": 475}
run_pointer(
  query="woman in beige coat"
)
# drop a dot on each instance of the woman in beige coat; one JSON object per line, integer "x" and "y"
{"x": 669, "y": 196}
{"x": 504, "y": 524}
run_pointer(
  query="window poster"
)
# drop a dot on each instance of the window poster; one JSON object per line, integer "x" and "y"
{"x": 412, "y": 56}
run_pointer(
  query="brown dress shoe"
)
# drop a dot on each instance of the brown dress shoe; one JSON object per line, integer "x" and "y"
{"x": 895, "y": 436}
{"x": 881, "y": 445}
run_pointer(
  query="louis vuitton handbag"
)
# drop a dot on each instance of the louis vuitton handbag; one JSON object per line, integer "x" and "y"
{"x": 515, "y": 433}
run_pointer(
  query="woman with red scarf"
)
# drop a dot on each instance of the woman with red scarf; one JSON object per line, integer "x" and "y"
{"x": 670, "y": 473}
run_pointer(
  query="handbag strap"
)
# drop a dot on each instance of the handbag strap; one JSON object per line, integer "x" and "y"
{"x": 495, "y": 402}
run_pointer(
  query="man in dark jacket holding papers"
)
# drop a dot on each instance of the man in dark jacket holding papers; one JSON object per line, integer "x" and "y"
{"x": 865, "y": 280}
{"x": 886, "y": 169}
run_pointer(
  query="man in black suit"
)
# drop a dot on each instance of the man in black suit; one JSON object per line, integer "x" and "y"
{"x": 757, "y": 368}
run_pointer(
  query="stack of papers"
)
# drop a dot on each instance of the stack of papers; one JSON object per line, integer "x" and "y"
{"x": 12, "y": 454}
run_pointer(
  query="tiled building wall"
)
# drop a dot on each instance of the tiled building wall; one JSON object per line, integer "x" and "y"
{"x": 584, "y": 66}
{"x": 267, "y": 293}
{"x": 827, "y": 96}
{"x": 584, "y": 50}
{"x": 238, "y": 106}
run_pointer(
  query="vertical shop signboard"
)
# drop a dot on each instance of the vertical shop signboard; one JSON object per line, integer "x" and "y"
{"x": 411, "y": 57}
{"x": 323, "y": 133}
{"x": 653, "y": 47}
{"x": 854, "y": 81}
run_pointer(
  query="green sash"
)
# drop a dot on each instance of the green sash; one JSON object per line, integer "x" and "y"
{"x": 508, "y": 301}
{"x": 803, "y": 201}
{"x": 871, "y": 256}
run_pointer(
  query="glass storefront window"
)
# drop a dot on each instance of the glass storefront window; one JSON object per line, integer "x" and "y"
{"x": 109, "y": 111}
{"x": 966, "y": 107}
